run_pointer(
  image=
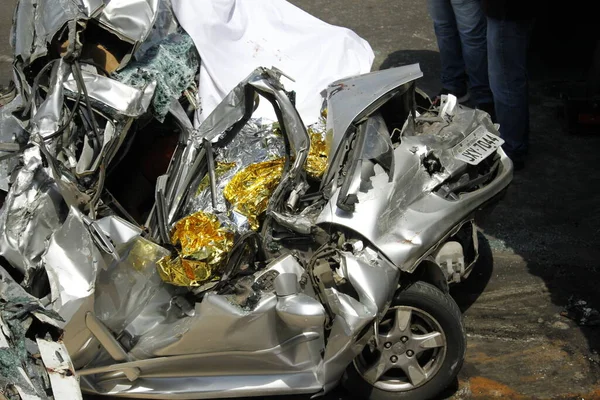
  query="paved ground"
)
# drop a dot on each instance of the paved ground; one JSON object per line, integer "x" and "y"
{"x": 545, "y": 235}
{"x": 6, "y": 12}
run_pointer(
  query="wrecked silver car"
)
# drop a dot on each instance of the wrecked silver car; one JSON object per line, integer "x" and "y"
{"x": 142, "y": 257}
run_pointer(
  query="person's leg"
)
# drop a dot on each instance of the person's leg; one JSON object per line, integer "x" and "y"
{"x": 507, "y": 57}
{"x": 471, "y": 24}
{"x": 453, "y": 68}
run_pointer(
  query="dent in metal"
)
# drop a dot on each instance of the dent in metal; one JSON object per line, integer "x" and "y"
{"x": 47, "y": 119}
{"x": 37, "y": 22}
{"x": 264, "y": 330}
{"x": 72, "y": 262}
{"x": 32, "y": 212}
{"x": 131, "y": 20}
{"x": 409, "y": 197}
{"x": 352, "y": 99}
{"x": 225, "y": 121}
{"x": 11, "y": 130}
{"x": 123, "y": 99}
{"x": 375, "y": 280}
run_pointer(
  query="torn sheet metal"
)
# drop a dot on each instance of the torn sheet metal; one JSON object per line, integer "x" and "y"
{"x": 90, "y": 159}
{"x": 373, "y": 277}
{"x": 443, "y": 132}
{"x": 11, "y": 131}
{"x": 48, "y": 117}
{"x": 224, "y": 124}
{"x": 123, "y": 99}
{"x": 352, "y": 317}
{"x": 142, "y": 294}
{"x": 130, "y": 20}
{"x": 37, "y": 22}
{"x": 254, "y": 33}
{"x": 352, "y": 99}
{"x": 172, "y": 63}
{"x": 375, "y": 280}
{"x": 33, "y": 210}
{"x": 409, "y": 194}
{"x": 72, "y": 262}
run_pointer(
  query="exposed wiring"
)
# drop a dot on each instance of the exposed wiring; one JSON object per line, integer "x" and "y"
{"x": 36, "y": 83}
{"x": 69, "y": 118}
{"x": 81, "y": 83}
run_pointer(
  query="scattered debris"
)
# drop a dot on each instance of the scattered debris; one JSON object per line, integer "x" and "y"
{"x": 579, "y": 311}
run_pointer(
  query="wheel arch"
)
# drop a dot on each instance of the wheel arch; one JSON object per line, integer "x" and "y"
{"x": 429, "y": 271}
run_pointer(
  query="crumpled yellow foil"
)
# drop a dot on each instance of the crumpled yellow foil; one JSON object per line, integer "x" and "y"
{"x": 316, "y": 161}
{"x": 204, "y": 244}
{"x": 250, "y": 189}
{"x": 144, "y": 253}
{"x": 183, "y": 272}
{"x": 220, "y": 169}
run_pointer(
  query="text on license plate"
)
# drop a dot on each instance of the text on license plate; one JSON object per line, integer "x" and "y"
{"x": 477, "y": 146}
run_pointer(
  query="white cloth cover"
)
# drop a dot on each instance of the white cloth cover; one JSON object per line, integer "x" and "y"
{"x": 234, "y": 37}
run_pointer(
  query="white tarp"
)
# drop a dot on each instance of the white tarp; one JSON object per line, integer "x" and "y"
{"x": 234, "y": 37}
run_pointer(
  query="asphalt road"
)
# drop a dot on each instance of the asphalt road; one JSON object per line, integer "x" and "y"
{"x": 544, "y": 236}
{"x": 6, "y": 12}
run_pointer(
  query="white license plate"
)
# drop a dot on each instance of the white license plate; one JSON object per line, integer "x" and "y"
{"x": 477, "y": 146}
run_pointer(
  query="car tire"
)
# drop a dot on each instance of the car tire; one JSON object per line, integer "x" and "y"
{"x": 421, "y": 300}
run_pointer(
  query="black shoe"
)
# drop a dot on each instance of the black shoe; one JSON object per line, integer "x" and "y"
{"x": 461, "y": 97}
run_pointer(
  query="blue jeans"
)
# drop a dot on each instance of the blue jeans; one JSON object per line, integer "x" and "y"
{"x": 507, "y": 56}
{"x": 460, "y": 28}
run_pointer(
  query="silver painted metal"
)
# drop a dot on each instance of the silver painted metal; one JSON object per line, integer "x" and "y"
{"x": 351, "y": 100}
{"x": 316, "y": 293}
{"x": 47, "y": 118}
{"x": 409, "y": 196}
{"x": 37, "y": 23}
{"x": 30, "y": 215}
{"x": 130, "y": 20}
{"x": 125, "y": 100}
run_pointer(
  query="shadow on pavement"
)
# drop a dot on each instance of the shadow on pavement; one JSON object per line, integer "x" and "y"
{"x": 467, "y": 292}
{"x": 429, "y": 62}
